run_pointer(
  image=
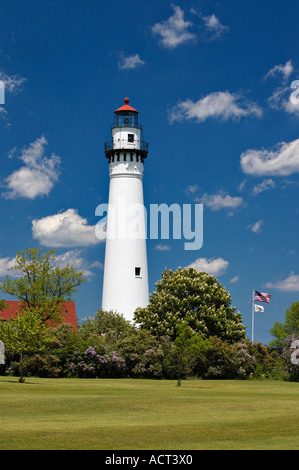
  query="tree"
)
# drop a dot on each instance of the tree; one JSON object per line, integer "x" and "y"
{"x": 53, "y": 361}
{"x": 194, "y": 297}
{"x": 187, "y": 353}
{"x": 40, "y": 282}
{"x": 3, "y": 305}
{"x": 24, "y": 334}
{"x": 282, "y": 331}
{"x": 111, "y": 326}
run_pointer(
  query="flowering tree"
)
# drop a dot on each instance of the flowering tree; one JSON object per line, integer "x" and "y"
{"x": 195, "y": 298}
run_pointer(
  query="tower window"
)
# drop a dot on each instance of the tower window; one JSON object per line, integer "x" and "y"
{"x": 130, "y": 137}
{"x": 137, "y": 272}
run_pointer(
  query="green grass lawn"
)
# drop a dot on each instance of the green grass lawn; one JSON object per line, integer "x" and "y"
{"x": 128, "y": 414}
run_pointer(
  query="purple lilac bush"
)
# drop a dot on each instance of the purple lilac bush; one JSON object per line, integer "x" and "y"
{"x": 91, "y": 364}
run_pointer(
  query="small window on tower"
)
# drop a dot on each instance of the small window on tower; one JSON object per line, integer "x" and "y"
{"x": 137, "y": 272}
{"x": 130, "y": 137}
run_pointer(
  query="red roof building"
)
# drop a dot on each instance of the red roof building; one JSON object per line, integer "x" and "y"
{"x": 68, "y": 312}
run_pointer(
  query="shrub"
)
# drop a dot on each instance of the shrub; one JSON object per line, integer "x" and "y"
{"x": 143, "y": 354}
{"x": 229, "y": 361}
{"x": 43, "y": 364}
{"x": 94, "y": 363}
{"x": 269, "y": 362}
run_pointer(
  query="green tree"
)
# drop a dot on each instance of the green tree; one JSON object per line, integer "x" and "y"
{"x": 193, "y": 297}
{"x": 24, "y": 334}
{"x": 53, "y": 361}
{"x": 40, "y": 283}
{"x": 3, "y": 305}
{"x": 187, "y": 354}
{"x": 290, "y": 327}
{"x": 111, "y": 326}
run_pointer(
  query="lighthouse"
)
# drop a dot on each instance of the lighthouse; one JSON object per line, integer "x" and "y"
{"x": 125, "y": 285}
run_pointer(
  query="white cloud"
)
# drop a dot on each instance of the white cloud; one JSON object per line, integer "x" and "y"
{"x": 218, "y": 105}
{"x": 215, "y": 267}
{"x": 175, "y": 30}
{"x": 291, "y": 284}
{"x": 5, "y": 265}
{"x": 257, "y": 226}
{"x": 162, "y": 247}
{"x": 282, "y": 70}
{"x": 12, "y": 152}
{"x": 214, "y": 27}
{"x": 263, "y": 186}
{"x": 130, "y": 62}
{"x": 278, "y": 98}
{"x": 234, "y": 280}
{"x": 221, "y": 201}
{"x": 3, "y": 112}
{"x": 37, "y": 176}
{"x": 65, "y": 229}
{"x": 290, "y": 107}
{"x": 191, "y": 189}
{"x": 282, "y": 99}
{"x": 12, "y": 83}
{"x": 283, "y": 160}
{"x": 242, "y": 186}
{"x": 75, "y": 259}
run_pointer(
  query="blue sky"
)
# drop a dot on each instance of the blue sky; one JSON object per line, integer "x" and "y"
{"x": 212, "y": 82}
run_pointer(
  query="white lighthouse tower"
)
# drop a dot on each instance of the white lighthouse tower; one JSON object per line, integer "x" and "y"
{"x": 125, "y": 284}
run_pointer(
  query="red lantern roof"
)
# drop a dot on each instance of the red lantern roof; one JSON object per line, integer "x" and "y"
{"x": 126, "y": 107}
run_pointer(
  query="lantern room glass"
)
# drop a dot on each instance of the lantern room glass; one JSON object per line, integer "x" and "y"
{"x": 126, "y": 119}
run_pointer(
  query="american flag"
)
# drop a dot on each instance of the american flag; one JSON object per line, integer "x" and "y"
{"x": 262, "y": 296}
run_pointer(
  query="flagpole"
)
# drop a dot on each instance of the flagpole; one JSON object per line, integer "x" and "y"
{"x": 252, "y": 319}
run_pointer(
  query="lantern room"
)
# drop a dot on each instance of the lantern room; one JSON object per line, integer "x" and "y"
{"x": 126, "y": 116}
